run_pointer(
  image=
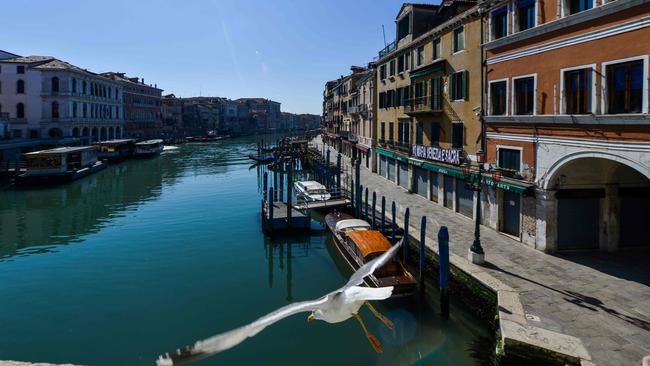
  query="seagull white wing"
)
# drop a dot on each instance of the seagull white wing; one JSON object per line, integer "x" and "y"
{"x": 224, "y": 341}
{"x": 370, "y": 267}
{"x": 358, "y": 293}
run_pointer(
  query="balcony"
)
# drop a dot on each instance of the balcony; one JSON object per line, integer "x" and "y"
{"x": 388, "y": 49}
{"x": 424, "y": 105}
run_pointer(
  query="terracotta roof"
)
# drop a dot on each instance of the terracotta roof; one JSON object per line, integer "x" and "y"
{"x": 369, "y": 241}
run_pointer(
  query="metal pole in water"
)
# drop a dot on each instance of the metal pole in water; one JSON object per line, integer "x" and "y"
{"x": 423, "y": 231}
{"x": 394, "y": 223}
{"x": 274, "y": 191}
{"x": 374, "y": 209}
{"x": 266, "y": 183}
{"x": 352, "y": 202}
{"x": 383, "y": 214}
{"x": 281, "y": 186}
{"x": 443, "y": 252}
{"x": 405, "y": 244}
{"x": 360, "y": 203}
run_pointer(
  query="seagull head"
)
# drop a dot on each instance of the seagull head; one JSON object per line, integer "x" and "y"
{"x": 316, "y": 314}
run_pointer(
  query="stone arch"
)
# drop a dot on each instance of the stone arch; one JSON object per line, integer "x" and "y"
{"x": 102, "y": 133}
{"x": 118, "y": 132}
{"x": 111, "y": 133}
{"x": 552, "y": 173}
{"x": 84, "y": 131}
{"x": 75, "y": 132}
{"x": 95, "y": 134}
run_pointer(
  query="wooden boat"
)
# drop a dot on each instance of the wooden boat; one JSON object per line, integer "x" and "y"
{"x": 358, "y": 243}
{"x": 148, "y": 148}
{"x": 262, "y": 159}
{"x": 115, "y": 150}
{"x": 60, "y": 165}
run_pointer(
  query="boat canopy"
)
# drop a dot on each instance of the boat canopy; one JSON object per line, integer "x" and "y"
{"x": 311, "y": 184}
{"x": 369, "y": 242}
{"x": 116, "y": 142}
{"x": 150, "y": 142}
{"x": 60, "y": 151}
{"x": 346, "y": 225}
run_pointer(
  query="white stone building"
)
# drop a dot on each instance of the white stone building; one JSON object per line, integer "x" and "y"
{"x": 49, "y": 98}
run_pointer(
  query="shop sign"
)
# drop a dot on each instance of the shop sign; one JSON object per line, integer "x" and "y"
{"x": 451, "y": 156}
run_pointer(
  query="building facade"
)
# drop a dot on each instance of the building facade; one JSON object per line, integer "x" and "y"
{"x": 142, "y": 106}
{"x": 48, "y": 98}
{"x": 362, "y": 111}
{"x": 567, "y": 115}
{"x": 429, "y": 100}
{"x": 265, "y": 113}
{"x": 172, "y": 117}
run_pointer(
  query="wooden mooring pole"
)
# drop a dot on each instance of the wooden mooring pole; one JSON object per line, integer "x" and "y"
{"x": 405, "y": 244}
{"x": 393, "y": 210}
{"x": 365, "y": 207}
{"x": 443, "y": 252}
{"x": 423, "y": 232}
{"x": 383, "y": 214}
{"x": 289, "y": 190}
{"x": 374, "y": 209}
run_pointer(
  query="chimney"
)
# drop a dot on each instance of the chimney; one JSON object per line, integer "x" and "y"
{"x": 142, "y": 80}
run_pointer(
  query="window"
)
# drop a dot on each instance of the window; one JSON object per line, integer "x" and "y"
{"x": 400, "y": 132}
{"x": 419, "y": 134}
{"x": 577, "y": 6}
{"x": 435, "y": 134}
{"x": 419, "y": 89}
{"x": 499, "y": 22}
{"x": 625, "y": 87}
{"x": 407, "y": 60}
{"x": 436, "y": 49}
{"x": 459, "y": 85}
{"x": 390, "y": 99}
{"x": 509, "y": 159}
{"x": 390, "y": 132}
{"x": 85, "y": 110}
{"x": 382, "y": 100}
{"x": 20, "y": 110}
{"x": 391, "y": 67}
{"x": 577, "y": 91}
{"x": 404, "y": 27}
{"x": 85, "y": 85}
{"x": 20, "y": 87}
{"x": 20, "y": 69}
{"x": 74, "y": 85}
{"x": 436, "y": 93}
{"x": 498, "y": 97}
{"x": 459, "y": 39}
{"x": 55, "y": 110}
{"x": 419, "y": 56}
{"x": 55, "y": 85}
{"x": 400, "y": 64}
{"x": 74, "y": 109}
{"x": 525, "y": 14}
{"x": 457, "y": 135}
{"x": 524, "y": 102}
{"x": 383, "y": 131}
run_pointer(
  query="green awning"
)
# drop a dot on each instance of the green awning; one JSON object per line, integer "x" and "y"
{"x": 391, "y": 154}
{"x": 444, "y": 170}
{"x": 506, "y": 186}
{"x": 438, "y": 66}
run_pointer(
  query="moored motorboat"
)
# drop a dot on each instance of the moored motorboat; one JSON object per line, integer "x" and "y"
{"x": 115, "y": 150}
{"x": 310, "y": 190}
{"x": 358, "y": 243}
{"x": 60, "y": 165}
{"x": 148, "y": 148}
{"x": 262, "y": 159}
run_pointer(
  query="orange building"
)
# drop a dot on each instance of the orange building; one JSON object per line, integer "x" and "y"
{"x": 566, "y": 115}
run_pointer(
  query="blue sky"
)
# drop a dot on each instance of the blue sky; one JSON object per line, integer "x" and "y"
{"x": 279, "y": 49}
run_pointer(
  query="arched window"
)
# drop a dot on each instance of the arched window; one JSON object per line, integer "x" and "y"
{"x": 74, "y": 85}
{"x": 110, "y": 92}
{"x": 55, "y": 84}
{"x": 104, "y": 91}
{"x": 74, "y": 109}
{"x": 20, "y": 110}
{"x": 20, "y": 87}
{"x": 84, "y": 87}
{"x": 55, "y": 110}
{"x": 85, "y": 110}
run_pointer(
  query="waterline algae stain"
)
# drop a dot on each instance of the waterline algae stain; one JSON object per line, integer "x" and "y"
{"x": 146, "y": 255}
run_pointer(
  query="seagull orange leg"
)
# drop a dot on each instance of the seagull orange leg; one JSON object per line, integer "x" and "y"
{"x": 385, "y": 320}
{"x": 374, "y": 342}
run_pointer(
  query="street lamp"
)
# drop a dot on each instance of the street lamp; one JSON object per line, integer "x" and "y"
{"x": 475, "y": 183}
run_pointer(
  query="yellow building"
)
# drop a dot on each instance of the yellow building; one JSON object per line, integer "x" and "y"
{"x": 429, "y": 101}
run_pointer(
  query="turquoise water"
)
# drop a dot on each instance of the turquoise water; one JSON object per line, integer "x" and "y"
{"x": 150, "y": 255}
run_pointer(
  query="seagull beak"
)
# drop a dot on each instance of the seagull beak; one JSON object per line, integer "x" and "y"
{"x": 310, "y": 318}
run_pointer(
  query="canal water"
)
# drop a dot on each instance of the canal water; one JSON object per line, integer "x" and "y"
{"x": 150, "y": 255}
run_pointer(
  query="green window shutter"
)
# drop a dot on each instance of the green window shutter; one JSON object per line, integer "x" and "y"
{"x": 466, "y": 85}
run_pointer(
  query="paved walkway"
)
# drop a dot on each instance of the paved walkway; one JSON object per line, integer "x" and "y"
{"x": 603, "y": 299}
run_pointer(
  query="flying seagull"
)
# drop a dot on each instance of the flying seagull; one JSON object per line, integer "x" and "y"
{"x": 335, "y": 307}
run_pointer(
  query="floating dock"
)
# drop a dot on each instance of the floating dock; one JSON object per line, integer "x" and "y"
{"x": 277, "y": 217}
